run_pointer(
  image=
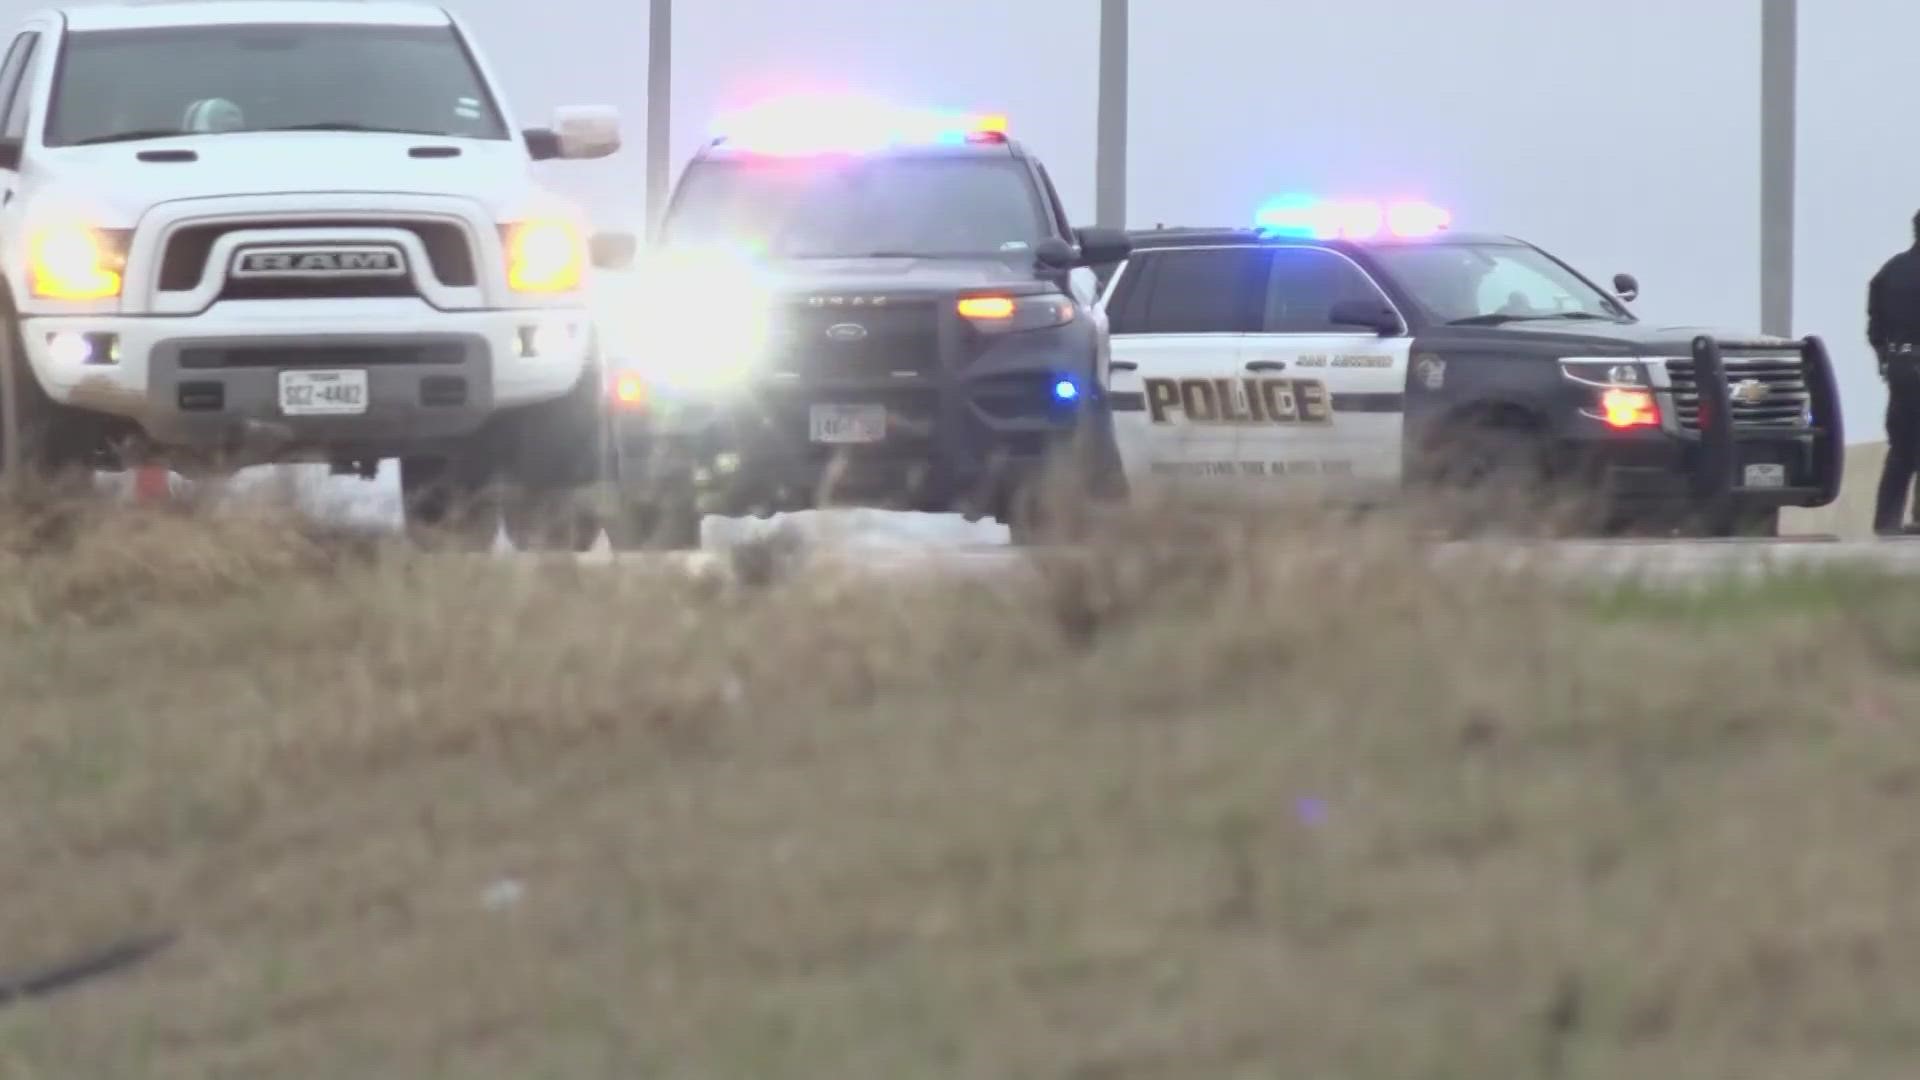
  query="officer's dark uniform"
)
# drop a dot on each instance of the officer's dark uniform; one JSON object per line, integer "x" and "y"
{"x": 1893, "y": 329}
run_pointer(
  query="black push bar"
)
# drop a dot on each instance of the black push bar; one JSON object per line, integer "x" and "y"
{"x": 1715, "y": 479}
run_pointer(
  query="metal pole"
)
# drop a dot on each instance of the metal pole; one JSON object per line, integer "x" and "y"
{"x": 1110, "y": 155}
{"x": 659, "y": 109}
{"x": 1779, "y": 61}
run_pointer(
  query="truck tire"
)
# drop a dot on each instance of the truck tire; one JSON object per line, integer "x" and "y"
{"x": 555, "y": 460}
{"x": 450, "y": 502}
{"x": 43, "y": 444}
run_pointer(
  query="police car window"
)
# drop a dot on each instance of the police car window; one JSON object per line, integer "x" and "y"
{"x": 910, "y": 206}
{"x": 1305, "y": 285}
{"x": 1198, "y": 291}
{"x": 1492, "y": 282}
{"x": 242, "y": 77}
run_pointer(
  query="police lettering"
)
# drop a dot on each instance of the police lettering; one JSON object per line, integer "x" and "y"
{"x": 1238, "y": 401}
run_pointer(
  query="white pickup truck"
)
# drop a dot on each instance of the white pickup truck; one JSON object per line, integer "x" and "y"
{"x": 239, "y": 232}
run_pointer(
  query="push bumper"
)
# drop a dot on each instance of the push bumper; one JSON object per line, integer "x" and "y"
{"x": 1718, "y": 464}
{"x": 212, "y": 382}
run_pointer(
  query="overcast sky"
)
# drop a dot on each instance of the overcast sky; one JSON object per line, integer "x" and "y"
{"x": 1622, "y": 134}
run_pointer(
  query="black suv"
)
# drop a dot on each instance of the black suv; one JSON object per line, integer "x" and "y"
{"x": 910, "y": 326}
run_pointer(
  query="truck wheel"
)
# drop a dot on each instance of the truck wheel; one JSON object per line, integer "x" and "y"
{"x": 665, "y": 524}
{"x": 42, "y": 443}
{"x": 555, "y": 462}
{"x": 449, "y": 502}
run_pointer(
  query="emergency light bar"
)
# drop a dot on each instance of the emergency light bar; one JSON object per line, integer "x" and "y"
{"x": 808, "y": 124}
{"x": 1349, "y": 219}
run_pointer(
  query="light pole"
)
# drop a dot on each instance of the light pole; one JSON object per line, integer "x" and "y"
{"x": 659, "y": 109}
{"x": 1110, "y": 153}
{"x": 1779, "y": 62}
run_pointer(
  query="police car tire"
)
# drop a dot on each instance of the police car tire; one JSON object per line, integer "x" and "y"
{"x": 449, "y": 502}
{"x": 665, "y": 525}
{"x": 1471, "y": 460}
{"x": 1763, "y": 523}
{"x": 549, "y": 518}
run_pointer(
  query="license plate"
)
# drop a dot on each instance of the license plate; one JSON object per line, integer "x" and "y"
{"x": 1765, "y": 475}
{"x": 848, "y": 423}
{"x": 323, "y": 393}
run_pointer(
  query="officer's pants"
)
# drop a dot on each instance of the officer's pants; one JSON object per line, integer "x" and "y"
{"x": 1903, "y": 446}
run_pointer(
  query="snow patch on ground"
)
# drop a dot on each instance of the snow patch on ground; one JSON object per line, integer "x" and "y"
{"x": 376, "y": 503}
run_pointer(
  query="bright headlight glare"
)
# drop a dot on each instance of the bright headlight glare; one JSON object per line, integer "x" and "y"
{"x": 76, "y": 262}
{"x": 696, "y": 320}
{"x": 544, "y": 256}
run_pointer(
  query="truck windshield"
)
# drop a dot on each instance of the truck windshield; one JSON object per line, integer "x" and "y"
{"x": 124, "y": 85}
{"x": 1490, "y": 283}
{"x": 924, "y": 207}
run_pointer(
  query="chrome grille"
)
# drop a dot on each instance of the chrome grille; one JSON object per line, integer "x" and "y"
{"x": 184, "y": 263}
{"x": 1781, "y": 404}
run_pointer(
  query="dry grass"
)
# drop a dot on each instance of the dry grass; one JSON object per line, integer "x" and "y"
{"x": 1225, "y": 796}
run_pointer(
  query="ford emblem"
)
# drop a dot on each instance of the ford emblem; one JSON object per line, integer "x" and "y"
{"x": 846, "y": 331}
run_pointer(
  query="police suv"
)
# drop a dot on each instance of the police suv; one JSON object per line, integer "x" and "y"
{"x": 236, "y": 233}
{"x": 1366, "y": 347}
{"x": 854, "y": 304}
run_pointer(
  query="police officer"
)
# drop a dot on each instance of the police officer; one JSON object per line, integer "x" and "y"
{"x": 1893, "y": 329}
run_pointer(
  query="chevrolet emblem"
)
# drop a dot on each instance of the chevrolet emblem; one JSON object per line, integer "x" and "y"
{"x": 1750, "y": 392}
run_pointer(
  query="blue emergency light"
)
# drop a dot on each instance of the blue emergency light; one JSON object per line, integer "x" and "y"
{"x": 1064, "y": 390}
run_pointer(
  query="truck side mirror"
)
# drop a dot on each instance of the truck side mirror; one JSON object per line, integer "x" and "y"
{"x": 1626, "y": 287}
{"x": 1370, "y": 314}
{"x": 578, "y": 133}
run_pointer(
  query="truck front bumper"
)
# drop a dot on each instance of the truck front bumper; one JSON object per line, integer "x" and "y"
{"x": 212, "y": 382}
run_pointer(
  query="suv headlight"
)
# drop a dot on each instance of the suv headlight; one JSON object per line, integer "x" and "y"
{"x": 1605, "y": 373}
{"x": 694, "y": 321}
{"x": 544, "y": 256}
{"x": 997, "y": 314}
{"x": 1622, "y": 391}
{"x": 76, "y": 262}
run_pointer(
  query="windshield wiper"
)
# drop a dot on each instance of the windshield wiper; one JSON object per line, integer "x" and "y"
{"x": 134, "y": 136}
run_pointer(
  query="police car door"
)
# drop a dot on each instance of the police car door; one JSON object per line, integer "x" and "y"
{"x": 1180, "y": 319}
{"x": 1332, "y": 396}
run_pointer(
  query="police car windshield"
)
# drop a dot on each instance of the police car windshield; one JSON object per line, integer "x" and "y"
{"x": 918, "y": 207}
{"x": 126, "y": 85}
{"x": 1466, "y": 284}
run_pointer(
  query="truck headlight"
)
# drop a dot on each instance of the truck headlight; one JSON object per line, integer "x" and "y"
{"x": 76, "y": 262}
{"x": 544, "y": 256}
{"x": 1006, "y": 314}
